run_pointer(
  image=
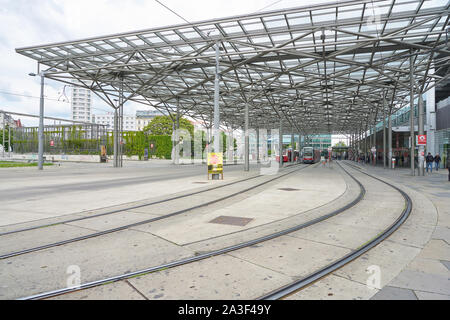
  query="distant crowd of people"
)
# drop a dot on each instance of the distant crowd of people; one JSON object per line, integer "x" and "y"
{"x": 430, "y": 160}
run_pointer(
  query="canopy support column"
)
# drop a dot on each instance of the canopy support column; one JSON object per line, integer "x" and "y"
{"x": 177, "y": 137}
{"x": 411, "y": 114}
{"x": 280, "y": 142}
{"x": 41, "y": 127}
{"x": 421, "y": 157}
{"x": 116, "y": 138}
{"x": 3, "y": 135}
{"x": 384, "y": 132}
{"x": 293, "y": 146}
{"x": 390, "y": 140}
{"x": 258, "y": 159}
{"x": 247, "y": 141}
{"x": 216, "y": 102}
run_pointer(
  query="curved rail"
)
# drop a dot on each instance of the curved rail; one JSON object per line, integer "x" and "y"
{"x": 313, "y": 277}
{"x": 204, "y": 255}
{"x": 124, "y": 227}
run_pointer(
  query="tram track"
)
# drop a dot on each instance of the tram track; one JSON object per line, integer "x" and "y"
{"x": 203, "y": 256}
{"x": 147, "y": 221}
{"x": 335, "y": 265}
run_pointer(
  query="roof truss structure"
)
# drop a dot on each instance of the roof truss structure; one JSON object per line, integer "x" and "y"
{"x": 322, "y": 69}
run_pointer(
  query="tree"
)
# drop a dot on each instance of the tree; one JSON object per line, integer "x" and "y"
{"x": 163, "y": 126}
{"x": 340, "y": 144}
{"x": 6, "y": 132}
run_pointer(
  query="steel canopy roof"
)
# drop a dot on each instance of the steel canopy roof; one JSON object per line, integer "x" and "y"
{"x": 322, "y": 69}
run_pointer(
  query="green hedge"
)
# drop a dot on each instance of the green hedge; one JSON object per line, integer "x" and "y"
{"x": 135, "y": 144}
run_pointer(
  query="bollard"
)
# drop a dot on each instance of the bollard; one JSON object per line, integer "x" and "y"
{"x": 393, "y": 163}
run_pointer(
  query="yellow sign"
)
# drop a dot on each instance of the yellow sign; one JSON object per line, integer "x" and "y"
{"x": 215, "y": 163}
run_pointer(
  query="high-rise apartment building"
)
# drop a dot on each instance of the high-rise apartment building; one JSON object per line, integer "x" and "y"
{"x": 81, "y": 104}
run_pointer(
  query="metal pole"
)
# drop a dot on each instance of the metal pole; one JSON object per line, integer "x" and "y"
{"x": 3, "y": 135}
{"x": 121, "y": 122}
{"x": 177, "y": 138}
{"x": 9, "y": 141}
{"x": 121, "y": 134}
{"x": 421, "y": 157}
{"x": 41, "y": 127}
{"x": 351, "y": 145}
{"x": 375, "y": 144}
{"x": 247, "y": 141}
{"x": 280, "y": 141}
{"x": 216, "y": 102}
{"x": 230, "y": 147}
{"x": 384, "y": 132}
{"x": 293, "y": 147}
{"x": 174, "y": 129}
{"x": 116, "y": 138}
{"x": 411, "y": 114}
{"x": 390, "y": 140}
{"x": 299, "y": 146}
{"x": 365, "y": 145}
{"x": 257, "y": 146}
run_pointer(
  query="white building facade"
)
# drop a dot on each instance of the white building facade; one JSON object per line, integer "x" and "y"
{"x": 143, "y": 118}
{"x": 81, "y": 104}
{"x": 129, "y": 122}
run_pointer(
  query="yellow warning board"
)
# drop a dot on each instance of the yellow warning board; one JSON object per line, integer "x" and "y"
{"x": 215, "y": 163}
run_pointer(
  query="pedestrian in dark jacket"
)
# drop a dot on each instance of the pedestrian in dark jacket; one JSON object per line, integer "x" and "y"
{"x": 430, "y": 160}
{"x": 448, "y": 167}
{"x": 437, "y": 160}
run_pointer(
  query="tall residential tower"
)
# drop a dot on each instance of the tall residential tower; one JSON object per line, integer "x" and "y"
{"x": 81, "y": 104}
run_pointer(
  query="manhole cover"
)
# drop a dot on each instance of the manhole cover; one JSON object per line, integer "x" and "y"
{"x": 232, "y": 221}
{"x": 288, "y": 189}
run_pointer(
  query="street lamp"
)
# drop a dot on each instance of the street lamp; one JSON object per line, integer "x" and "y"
{"x": 41, "y": 119}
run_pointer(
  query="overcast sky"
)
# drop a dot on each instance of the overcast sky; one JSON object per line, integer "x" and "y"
{"x": 34, "y": 22}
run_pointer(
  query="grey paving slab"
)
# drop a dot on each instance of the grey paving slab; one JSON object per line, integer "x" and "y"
{"x": 30, "y": 239}
{"x": 112, "y": 221}
{"x": 431, "y": 296}
{"x": 436, "y": 249}
{"x": 389, "y": 256}
{"x": 217, "y": 278}
{"x": 34, "y": 221}
{"x": 393, "y": 293}
{"x": 337, "y": 234}
{"x": 334, "y": 288}
{"x": 413, "y": 235}
{"x": 442, "y": 233}
{"x": 428, "y": 266}
{"x": 446, "y": 263}
{"x": 423, "y": 282}
{"x": 291, "y": 256}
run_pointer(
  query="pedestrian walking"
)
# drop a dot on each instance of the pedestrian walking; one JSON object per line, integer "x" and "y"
{"x": 437, "y": 161}
{"x": 448, "y": 167}
{"x": 430, "y": 160}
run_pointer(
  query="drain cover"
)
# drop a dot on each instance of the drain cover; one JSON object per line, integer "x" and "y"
{"x": 232, "y": 221}
{"x": 288, "y": 189}
{"x": 200, "y": 182}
